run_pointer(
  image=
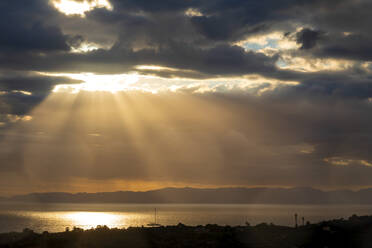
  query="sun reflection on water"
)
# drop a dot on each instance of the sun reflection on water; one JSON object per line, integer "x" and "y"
{"x": 57, "y": 221}
{"x": 94, "y": 219}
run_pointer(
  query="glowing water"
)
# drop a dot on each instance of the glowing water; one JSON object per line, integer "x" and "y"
{"x": 56, "y": 217}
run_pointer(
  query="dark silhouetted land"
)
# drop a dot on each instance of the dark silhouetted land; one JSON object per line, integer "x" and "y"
{"x": 221, "y": 195}
{"x": 354, "y": 232}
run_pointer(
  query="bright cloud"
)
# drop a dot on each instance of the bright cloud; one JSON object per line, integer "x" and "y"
{"x": 71, "y": 7}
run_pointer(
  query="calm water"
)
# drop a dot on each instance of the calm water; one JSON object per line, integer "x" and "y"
{"x": 56, "y": 217}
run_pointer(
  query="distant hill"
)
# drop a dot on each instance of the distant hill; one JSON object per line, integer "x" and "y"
{"x": 195, "y": 195}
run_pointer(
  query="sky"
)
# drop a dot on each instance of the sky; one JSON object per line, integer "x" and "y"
{"x": 106, "y": 95}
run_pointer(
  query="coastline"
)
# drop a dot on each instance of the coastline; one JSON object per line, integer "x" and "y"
{"x": 352, "y": 232}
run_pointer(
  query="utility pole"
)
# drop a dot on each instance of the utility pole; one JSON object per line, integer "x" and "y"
{"x": 296, "y": 225}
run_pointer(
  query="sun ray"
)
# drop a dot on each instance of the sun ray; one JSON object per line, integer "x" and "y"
{"x": 137, "y": 136}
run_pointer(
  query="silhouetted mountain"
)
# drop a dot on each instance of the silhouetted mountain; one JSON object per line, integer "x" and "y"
{"x": 219, "y": 195}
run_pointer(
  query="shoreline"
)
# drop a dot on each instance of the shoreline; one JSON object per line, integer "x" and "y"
{"x": 352, "y": 232}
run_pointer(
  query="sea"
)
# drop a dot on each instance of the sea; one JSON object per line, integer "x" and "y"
{"x": 58, "y": 217}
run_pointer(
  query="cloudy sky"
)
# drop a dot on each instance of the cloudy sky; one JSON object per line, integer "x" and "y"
{"x": 104, "y": 95}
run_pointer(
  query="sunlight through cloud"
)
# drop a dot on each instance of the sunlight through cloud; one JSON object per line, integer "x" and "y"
{"x": 85, "y": 48}
{"x": 92, "y": 82}
{"x": 154, "y": 68}
{"x": 71, "y": 7}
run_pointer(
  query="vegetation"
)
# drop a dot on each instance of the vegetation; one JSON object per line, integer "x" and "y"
{"x": 354, "y": 232}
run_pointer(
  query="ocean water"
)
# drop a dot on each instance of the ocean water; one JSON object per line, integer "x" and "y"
{"x": 56, "y": 217}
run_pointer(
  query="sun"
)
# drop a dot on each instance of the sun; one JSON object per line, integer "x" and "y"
{"x": 71, "y": 7}
{"x": 95, "y": 83}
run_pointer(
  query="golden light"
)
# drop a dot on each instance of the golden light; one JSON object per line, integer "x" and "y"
{"x": 193, "y": 12}
{"x": 69, "y": 137}
{"x": 155, "y": 68}
{"x": 85, "y": 47}
{"x": 94, "y": 83}
{"x": 347, "y": 161}
{"x": 22, "y": 92}
{"x": 71, "y": 7}
{"x": 114, "y": 83}
{"x": 93, "y": 219}
{"x": 149, "y": 68}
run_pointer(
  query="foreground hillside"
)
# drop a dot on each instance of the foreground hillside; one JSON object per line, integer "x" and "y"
{"x": 354, "y": 232}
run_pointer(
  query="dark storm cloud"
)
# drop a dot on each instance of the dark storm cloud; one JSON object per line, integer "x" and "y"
{"x": 342, "y": 16}
{"x": 336, "y": 45}
{"x": 221, "y": 20}
{"x": 31, "y": 82}
{"x": 20, "y": 92}
{"x": 234, "y": 20}
{"x": 341, "y": 30}
{"x": 353, "y": 46}
{"x": 151, "y": 6}
{"x": 37, "y": 37}
{"x": 24, "y": 27}
{"x": 219, "y": 60}
{"x": 161, "y": 33}
{"x": 307, "y": 38}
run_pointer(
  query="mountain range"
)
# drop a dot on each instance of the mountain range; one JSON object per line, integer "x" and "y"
{"x": 196, "y": 195}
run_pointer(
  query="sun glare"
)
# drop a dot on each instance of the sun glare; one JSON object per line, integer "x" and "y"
{"x": 84, "y": 48}
{"x": 155, "y": 68}
{"x": 71, "y": 7}
{"x": 93, "y": 219}
{"x": 93, "y": 82}
{"x": 152, "y": 84}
